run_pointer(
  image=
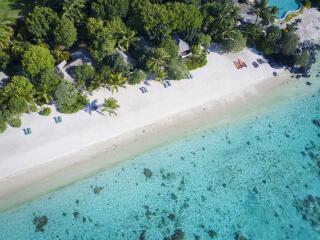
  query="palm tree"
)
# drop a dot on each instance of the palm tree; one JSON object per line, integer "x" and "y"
{"x": 110, "y": 105}
{"x": 264, "y": 11}
{"x": 115, "y": 81}
{"x": 158, "y": 61}
{"x": 127, "y": 39}
{"x": 222, "y": 19}
{"x": 161, "y": 75}
{"x": 6, "y": 31}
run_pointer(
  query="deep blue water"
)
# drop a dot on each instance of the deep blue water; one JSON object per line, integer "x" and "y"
{"x": 257, "y": 177}
{"x": 285, "y": 6}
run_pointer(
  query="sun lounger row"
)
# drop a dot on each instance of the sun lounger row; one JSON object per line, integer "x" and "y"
{"x": 260, "y": 61}
{"x": 27, "y": 131}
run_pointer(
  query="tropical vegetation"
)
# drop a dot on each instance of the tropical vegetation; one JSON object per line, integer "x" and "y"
{"x": 128, "y": 41}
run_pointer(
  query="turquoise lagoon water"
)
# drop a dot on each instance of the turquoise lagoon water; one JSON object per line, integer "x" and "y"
{"x": 258, "y": 177}
{"x": 285, "y": 6}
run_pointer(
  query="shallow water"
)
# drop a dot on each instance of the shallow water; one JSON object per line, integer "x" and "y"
{"x": 285, "y": 6}
{"x": 252, "y": 177}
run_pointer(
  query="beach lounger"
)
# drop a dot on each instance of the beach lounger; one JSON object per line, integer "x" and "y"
{"x": 260, "y": 61}
{"x": 242, "y": 63}
{"x": 146, "y": 83}
{"x": 143, "y": 90}
{"x": 25, "y": 131}
{"x": 165, "y": 84}
{"x": 237, "y": 64}
{"x": 255, "y": 64}
{"x": 168, "y": 83}
{"x": 57, "y": 119}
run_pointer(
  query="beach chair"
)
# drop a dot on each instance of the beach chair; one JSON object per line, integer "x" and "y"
{"x": 165, "y": 84}
{"x": 143, "y": 90}
{"x": 59, "y": 119}
{"x": 25, "y": 131}
{"x": 260, "y": 61}
{"x": 146, "y": 82}
{"x": 255, "y": 64}
{"x": 168, "y": 83}
{"x": 242, "y": 63}
{"x": 238, "y": 66}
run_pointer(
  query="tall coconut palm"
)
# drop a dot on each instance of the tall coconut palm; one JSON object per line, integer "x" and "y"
{"x": 110, "y": 105}
{"x": 6, "y": 31}
{"x": 127, "y": 39}
{"x": 221, "y": 19}
{"x": 264, "y": 11}
{"x": 115, "y": 81}
{"x": 158, "y": 61}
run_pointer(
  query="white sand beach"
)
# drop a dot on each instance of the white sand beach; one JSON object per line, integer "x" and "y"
{"x": 52, "y": 147}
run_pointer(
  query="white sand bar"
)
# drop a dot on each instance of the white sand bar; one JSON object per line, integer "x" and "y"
{"x": 49, "y": 142}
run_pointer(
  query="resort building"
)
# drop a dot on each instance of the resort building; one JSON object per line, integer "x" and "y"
{"x": 184, "y": 48}
{"x": 79, "y": 58}
{"x": 126, "y": 56}
{"x": 3, "y": 79}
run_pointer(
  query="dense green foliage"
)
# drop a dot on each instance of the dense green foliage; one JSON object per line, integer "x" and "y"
{"x": 137, "y": 77}
{"x": 37, "y": 59}
{"x": 68, "y": 99}
{"x": 129, "y": 41}
{"x": 65, "y": 33}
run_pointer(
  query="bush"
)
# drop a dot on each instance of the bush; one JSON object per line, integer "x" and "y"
{"x": 68, "y": 99}
{"x": 235, "y": 44}
{"x": 137, "y": 77}
{"x": 15, "y": 122}
{"x": 46, "y": 111}
{"x": 60, "y": 55}
{"x": 117, "y": 63}
{"x": 177, "y": 70}
{"x": 33, "y": 108}
{"x": 3, "y": 125}
{"x": 194, "y": 61}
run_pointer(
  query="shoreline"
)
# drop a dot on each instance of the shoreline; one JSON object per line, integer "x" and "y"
{"x": 63, "y": 171}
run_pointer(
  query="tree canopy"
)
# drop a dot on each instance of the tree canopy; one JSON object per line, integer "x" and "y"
{"x": 36, "y": 59}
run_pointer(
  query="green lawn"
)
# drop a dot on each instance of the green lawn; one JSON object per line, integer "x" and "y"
{"x": 11, "y": 8}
